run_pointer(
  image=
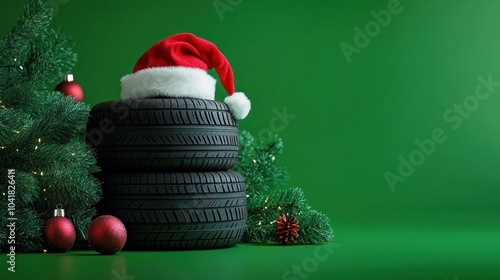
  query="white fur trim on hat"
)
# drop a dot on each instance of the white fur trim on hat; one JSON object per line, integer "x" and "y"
{"x": 171, "y": 81}
{"x": 239, "y": 104}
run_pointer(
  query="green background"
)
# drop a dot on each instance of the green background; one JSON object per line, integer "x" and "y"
{"x": 352, "y": 122}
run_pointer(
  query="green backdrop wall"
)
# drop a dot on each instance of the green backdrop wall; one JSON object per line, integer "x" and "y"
{"x": 351, "y": 87}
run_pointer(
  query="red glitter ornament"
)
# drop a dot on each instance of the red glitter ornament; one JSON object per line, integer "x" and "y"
{"x": 59, "y": 232}
{"x": 107, "y": 235}
{"x": 71, "y": 88}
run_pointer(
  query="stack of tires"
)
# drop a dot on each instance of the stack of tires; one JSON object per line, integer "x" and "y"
{"x": 165, "y": 165}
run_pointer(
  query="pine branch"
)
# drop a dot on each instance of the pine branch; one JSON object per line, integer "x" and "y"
{"x": 32, "y": 55}
{"x": 29, "y": 227}
{"x": 81, "y": 218}
{"x": 34, "y": 20}
{"x": 27, "y": 185}
{"x": 281, "y": 201}
{"x": 53, "y": 53}
{"x": 266, "y": 200}
{"x": 315, "y": 228}
{"x": 19, "y": 95}
{"x": 257, "y": 163}
{"x": 15, "y": 48}
{"x": 75, "y": 154}
{"x": 41, "y": 132}
{"x": 71, "y": 120}
{"x": 79, "y": 190}
{"x": 10, "y": 121}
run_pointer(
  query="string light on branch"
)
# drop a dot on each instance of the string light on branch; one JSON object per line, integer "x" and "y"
{"x": 268, "y": 202}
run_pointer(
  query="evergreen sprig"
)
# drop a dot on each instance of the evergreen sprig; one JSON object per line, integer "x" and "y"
{"x": 34, "y": 20}
{"x": 41, "y": 131}
{"x": 267, "y": 199}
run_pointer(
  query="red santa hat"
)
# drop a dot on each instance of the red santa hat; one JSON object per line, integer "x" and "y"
{"x": 177, "y": 67}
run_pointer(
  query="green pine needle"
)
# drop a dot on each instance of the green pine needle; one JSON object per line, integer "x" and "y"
{"x": 267, "y": 199}
{"x": 41, "y": 132}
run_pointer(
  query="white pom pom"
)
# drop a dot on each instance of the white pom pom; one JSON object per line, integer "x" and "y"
{"x": 239, "y": 104}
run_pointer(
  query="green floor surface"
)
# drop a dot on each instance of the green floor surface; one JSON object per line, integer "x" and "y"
{"x": 356, "y": 253}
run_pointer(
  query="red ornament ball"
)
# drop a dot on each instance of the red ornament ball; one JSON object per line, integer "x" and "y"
{"x": 60, "y": 234}
{"x": 107, "y": 235}
{"x": 71, "y": 88}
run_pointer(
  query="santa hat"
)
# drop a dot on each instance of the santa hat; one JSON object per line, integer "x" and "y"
{"x": 177, "y": 67}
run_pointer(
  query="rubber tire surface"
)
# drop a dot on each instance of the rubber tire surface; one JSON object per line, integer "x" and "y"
{"x": 163, "y": 134}
{"x": 177, "y": 211}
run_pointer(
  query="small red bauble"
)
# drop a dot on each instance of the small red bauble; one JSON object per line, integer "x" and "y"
{"x": 107, "y": 235}
{"x": 59, "y": 232}
{"x": 71, "y": 88}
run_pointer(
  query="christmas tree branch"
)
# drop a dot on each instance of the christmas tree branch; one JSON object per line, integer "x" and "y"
{"x": 267, "y": 200}
{"x": 53, "y": 53}
{"x": 41, "y": 132}
{"x": 34, "y": 20}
